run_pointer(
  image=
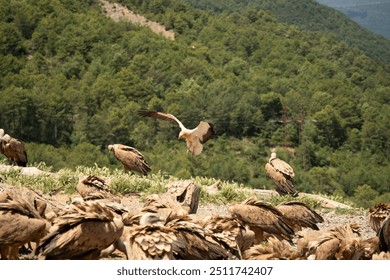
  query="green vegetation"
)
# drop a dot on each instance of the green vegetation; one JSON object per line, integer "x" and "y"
{"x": 72, "y": 81}
{"x": 120, "y": 183}
{"x": 309, "y": 15}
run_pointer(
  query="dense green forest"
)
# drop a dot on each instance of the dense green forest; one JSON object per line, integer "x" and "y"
{"x": 72, "y": 81}
{"x": 372, "y": 15}
{"x": 311, "y": 16}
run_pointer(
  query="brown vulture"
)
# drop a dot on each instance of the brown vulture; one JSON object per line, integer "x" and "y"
{"x": 282, "y": 174}
{"x": 13, "y": 149}
{"x": 131, "y": 158}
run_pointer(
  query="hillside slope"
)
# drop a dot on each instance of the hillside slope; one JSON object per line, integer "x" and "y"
{"x": 312, "y": 16}
{"x": 373, "y": 15}
{"x": 73, "y": 80}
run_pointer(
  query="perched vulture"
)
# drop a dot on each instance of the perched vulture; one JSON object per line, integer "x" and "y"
{"x": 80, "y": 232}
{"x": 20, "y": 223}
{"x": 13, "y": 149}
{"x": 300, "y": 215}
{"x": 262, "y": 217}
{"x": 282, "y": 174}
{"x": 195, "y": 138}
{"x": 92, "y": 188}
{"x": 131, "y": 158}
{"x": 377, "y": 214}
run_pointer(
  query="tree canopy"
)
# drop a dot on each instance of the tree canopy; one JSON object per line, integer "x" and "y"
{"x": 72, "y": 81}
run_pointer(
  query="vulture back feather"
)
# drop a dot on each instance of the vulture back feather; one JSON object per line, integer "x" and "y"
{"x": 80, "y": 232}
{"x": 300, "y": 215}
{"x": 131, "y": 158}
{"x": 377, "y": 214}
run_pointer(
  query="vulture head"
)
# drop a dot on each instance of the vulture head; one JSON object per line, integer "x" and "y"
{"x": 150, "y": 219}
{"x": 7, "y": 138}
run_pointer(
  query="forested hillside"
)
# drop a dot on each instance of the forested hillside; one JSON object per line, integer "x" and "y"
{"x": 373, "y": 15}
{"x": 72, "y": 81}
{"x": 312, "y": 16}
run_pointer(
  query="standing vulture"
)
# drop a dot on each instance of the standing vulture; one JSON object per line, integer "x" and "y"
{"x": 130, "y": 157}
{"x": 195, "y": 138}
{"x": 282, "y": 174}
{"x": 13, "y": 149}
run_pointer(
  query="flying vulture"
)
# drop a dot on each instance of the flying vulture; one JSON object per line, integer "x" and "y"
{"x": 195, "y": 138}
{"x": 130, "y": 157}
{"x": 13, "y": 149}
{"x": 282, "y": 174}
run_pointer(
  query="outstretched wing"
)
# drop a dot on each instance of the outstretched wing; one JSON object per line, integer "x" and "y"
{"x": 204, "y": 131}
{"x": 161, "y": 116}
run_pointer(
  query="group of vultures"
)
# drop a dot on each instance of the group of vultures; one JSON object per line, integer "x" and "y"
{"x": 100, "y": 225}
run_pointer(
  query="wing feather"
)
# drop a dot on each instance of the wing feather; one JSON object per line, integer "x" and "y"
{"x": 161, "y": 116}
{"x": 204, "y": 131}
{"x": 283, "y": 167}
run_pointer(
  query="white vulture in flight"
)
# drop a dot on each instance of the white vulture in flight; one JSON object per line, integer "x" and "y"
{"x": 282, "y": 174}
{"x": 131, "y": 158}
{"x": 195, "y": 138}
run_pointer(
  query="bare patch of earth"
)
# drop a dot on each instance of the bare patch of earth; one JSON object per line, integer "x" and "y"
{"x": 118, "y": 12}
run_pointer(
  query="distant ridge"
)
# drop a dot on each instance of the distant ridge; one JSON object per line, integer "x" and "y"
{"x": 373, "y": 15}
